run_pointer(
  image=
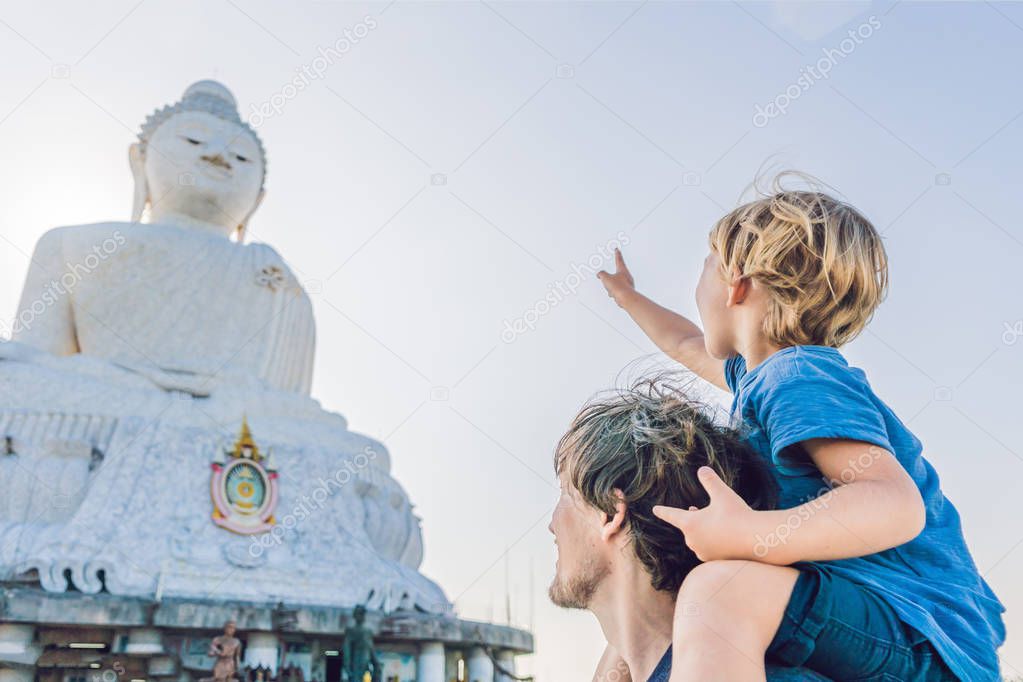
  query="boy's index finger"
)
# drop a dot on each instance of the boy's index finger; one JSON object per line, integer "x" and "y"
{"x": 619, "y": 261}
{"x": 713, "y": 484}
{"x": 673, "y": 515}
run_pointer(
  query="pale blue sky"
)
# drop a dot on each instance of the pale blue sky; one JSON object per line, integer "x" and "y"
{"x": 649, "y": 130}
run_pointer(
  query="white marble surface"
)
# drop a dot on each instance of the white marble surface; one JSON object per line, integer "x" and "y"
{"x": 348, "y": 533}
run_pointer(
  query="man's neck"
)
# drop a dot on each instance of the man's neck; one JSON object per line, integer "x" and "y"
{"x": 636, "y": 618}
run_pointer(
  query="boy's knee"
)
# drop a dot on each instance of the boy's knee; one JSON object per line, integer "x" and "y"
{"x": 705, "y": 593}
{"x": 745, "y": 597}
{"x": 710, "y": 578}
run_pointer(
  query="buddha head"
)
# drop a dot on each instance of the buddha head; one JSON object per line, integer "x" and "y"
{"x": 197, "y": 160}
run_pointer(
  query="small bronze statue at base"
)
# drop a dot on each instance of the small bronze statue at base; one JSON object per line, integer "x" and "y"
{"x": 359, "y": 655}
{"x": 226, "y": 648}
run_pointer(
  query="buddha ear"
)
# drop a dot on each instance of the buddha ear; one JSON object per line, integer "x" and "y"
{"x": 137, "y": 160}
{"x": 240, "y": 231}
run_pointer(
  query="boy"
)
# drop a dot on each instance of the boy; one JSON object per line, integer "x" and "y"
{"x": 862, "y": 572}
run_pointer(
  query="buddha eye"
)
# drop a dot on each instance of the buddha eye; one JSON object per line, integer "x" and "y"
{"x": 241, "y": 158}
{"x": 192, "y": 140}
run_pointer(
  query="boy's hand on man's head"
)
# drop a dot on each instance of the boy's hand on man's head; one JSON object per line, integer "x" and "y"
{"x": 722, "y": 529}
{"x": 620, "y": 284}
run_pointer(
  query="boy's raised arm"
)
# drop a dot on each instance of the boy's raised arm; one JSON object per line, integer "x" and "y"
{"x": 678, "y": 337}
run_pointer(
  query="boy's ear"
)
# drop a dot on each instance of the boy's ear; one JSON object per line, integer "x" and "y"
{"x": 612, "y": 524}
{"x": 738, "y": 289}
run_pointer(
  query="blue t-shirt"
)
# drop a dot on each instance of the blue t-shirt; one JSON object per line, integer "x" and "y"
{"x": 931, "y": 582}
{"x": 662, "y": 672}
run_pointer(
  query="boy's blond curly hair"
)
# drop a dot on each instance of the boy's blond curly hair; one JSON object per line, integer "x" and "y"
{"x": 820, "y": 260}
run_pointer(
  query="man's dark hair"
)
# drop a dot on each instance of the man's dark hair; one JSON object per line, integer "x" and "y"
{"x": 648, "y": 441}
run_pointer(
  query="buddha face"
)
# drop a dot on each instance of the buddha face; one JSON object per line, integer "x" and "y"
{"x": 203, "y": 167}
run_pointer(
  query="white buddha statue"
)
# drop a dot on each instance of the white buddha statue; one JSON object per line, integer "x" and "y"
{"x": 138, "y": 350}
{"x": 174, "y": 299}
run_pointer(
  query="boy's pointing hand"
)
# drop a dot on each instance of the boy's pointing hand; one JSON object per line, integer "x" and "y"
{"x": 722, "y": 529}
{"x": 620, "y": 283}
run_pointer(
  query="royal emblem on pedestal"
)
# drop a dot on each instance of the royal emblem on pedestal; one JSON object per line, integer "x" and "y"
{"x": 244, "y": 486}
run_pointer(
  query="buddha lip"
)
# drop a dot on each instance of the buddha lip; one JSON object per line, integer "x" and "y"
{"x": 216, "y": 161}
{"x": 215, "y": 170}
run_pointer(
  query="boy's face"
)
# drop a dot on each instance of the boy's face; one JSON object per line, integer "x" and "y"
{"x": 712, "y": 302}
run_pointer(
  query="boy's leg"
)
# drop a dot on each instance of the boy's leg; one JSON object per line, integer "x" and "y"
{"x": 843, "y": 630}
{"x": 726, "y": 615}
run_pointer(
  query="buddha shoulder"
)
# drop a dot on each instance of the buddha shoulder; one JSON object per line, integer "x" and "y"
{"x": 127, "y": 244}
{"x": 67, "y": 241}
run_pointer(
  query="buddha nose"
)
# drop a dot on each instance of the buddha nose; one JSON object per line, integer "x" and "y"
{"x": 216, "y": 160}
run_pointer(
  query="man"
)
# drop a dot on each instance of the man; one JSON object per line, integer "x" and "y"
{"x": 624, "y": 454}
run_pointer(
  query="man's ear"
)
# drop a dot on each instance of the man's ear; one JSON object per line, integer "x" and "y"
{"x": 738, "y": 289}
{"x": 614, "y": 523}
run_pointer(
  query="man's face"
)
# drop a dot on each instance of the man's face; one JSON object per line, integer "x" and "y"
{"x": 583, "y": 556}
